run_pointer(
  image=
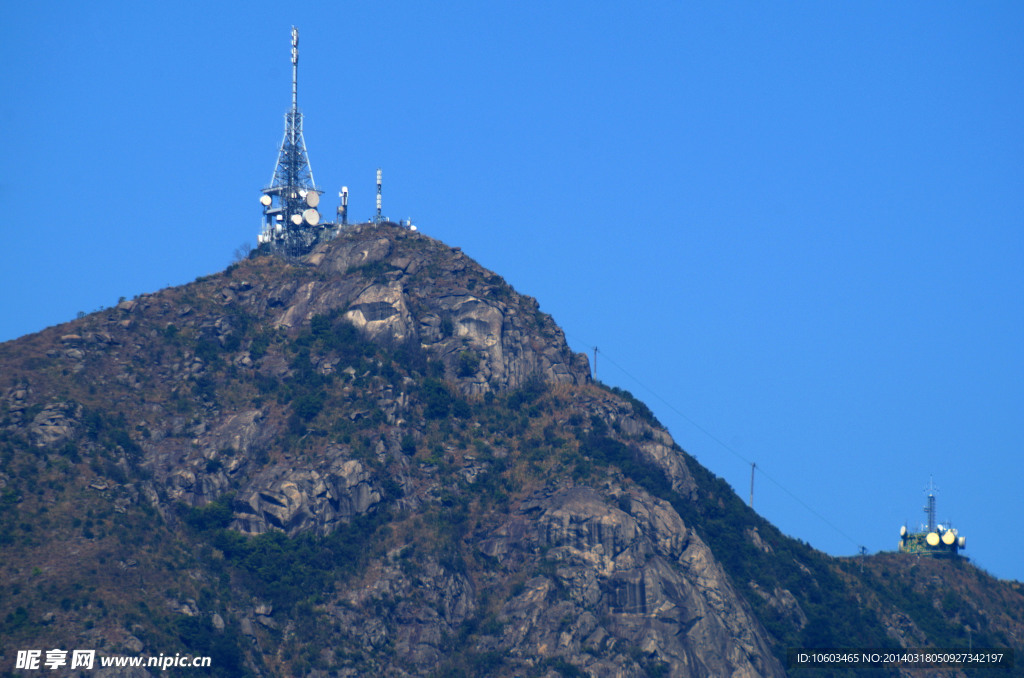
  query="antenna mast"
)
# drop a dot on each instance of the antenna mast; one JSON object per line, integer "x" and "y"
{"x": 295, "y": 69}
{"x": 753, "y": 466}
{"x": 289, "y": 203}
{"x": 378, "y": 218}
{"x": 930, "y": 506}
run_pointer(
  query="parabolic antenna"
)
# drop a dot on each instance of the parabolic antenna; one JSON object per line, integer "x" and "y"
{"x": 265, "y": 200}
{"x": 932, "y": 539}
{"x": 312, "y": 198}
{"x": 962, "y": 542}
{"x": 903, "y": 530}
{"x": 297, "y": 219}
{"x": 949, "y": 538}
{"x": 311, "y": 216}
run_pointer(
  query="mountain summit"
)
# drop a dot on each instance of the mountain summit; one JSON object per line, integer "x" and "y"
{"x": 378, "y": 458}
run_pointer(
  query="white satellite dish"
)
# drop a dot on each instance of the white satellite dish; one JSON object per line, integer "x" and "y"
{"x": 932, "y": 539}
{"x": 903, "y": 530}
{"x": 312, "y": 198}
{"x": 311, "y": 216}
{"x": 265, "y": 200}
{"x": 297, "y": 219}
{"x": 949, "y": 538}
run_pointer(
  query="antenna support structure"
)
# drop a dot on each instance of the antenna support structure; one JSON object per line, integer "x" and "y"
{"x": 291, "y": 222}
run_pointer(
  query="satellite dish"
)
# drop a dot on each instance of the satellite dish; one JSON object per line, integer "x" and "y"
{"x": 962, "y": 542}
{"x": 296, "y": 219}
{"x": 413, "y": 228}
{"x": 265, "y": 200}
{"x": 949, "y": 538}
{"x": 312, "y": 198}
{"x": 940, "y": 527}
{"x": 932, "y": 539}
{"x": 903, "y": 530}
{"x": 311, "y": 216}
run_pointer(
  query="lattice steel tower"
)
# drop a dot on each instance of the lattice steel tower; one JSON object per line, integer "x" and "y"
{"x": 290, "y": 218}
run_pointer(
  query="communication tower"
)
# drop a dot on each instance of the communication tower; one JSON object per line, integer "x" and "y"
{"x": 934, "y": 539}
{"x": 291, "y": 221}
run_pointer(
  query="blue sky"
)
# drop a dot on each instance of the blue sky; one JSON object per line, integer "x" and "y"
{"x": 795, "y": 225}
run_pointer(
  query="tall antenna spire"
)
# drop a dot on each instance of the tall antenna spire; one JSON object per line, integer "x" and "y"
{"x": 289, "y": 203}
{"x": 295, "y": 69}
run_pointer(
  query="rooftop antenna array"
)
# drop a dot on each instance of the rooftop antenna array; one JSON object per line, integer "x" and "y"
{"x": 290, "y": 201}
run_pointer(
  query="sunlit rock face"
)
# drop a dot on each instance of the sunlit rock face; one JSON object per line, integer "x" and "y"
{"x": 396, "y": 285}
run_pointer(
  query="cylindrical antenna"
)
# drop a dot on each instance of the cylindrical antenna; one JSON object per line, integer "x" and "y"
{"x": 930, "y": 507}
{"x": 343, "y": 207}
{"x": 378, "y": 194}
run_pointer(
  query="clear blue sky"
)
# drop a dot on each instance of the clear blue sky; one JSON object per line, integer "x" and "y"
{"x": 798, "y": 224}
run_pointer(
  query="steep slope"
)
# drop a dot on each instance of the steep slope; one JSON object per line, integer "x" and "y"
{"x": 380, "y": 458}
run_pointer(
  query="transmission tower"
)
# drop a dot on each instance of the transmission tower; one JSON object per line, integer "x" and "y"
{"x": 289, "y": 203}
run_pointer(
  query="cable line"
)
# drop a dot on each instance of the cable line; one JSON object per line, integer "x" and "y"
{"x": 736, "y": 454}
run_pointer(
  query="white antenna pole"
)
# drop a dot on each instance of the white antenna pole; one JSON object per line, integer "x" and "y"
{"x": 295, "y": 68}
{"x": 378, "y": 194}
{"x": 752, "y": 467}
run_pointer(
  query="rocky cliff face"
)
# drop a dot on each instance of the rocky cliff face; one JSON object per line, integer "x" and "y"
{"x": 378, "y": 458}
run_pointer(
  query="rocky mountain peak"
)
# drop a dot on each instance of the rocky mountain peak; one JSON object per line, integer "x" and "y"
{"x": 397, "y": 285}
{"x": 378, "y": 458}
